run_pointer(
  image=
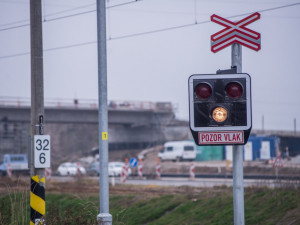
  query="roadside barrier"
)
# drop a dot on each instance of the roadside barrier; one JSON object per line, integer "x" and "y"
{"x": 192, "y": 171}
{"x": 78, "y": 172}
{"x": 140, "y": 168}
{"x": 124, "y": 173}
{"x": 48, "y": 172}
{"x": 9, "y": 170}
{"x": 158, "y": 169}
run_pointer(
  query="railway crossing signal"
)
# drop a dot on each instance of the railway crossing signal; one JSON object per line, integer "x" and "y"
{"x": 220, "y": 105}
{"x": 220, "y": 108}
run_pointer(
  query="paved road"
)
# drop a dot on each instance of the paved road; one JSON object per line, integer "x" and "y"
{"x": 208, "y": 182}
{"x": 198, "y": 182}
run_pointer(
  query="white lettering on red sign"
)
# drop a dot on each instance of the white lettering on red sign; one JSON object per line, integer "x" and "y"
{"x": 225, "y": 137}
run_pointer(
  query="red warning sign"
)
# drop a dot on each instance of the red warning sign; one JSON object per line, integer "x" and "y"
{"x": 224, "y": 137}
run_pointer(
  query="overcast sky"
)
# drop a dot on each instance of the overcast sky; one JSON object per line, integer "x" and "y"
{"x": 154, "y": 66}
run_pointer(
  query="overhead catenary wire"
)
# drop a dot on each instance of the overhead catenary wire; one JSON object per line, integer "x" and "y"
{"x": 108, "y": 21}
{"x": 63, "y": 17}
{"x": 195, "y": 10}
{"x": 117, "y": 5}
{"x": 148, "y": 32}
{"x": 72, "y": 9}
{"x": 266, "y": 10}
{"x": 91, "y": 11}
{"x": 51, "y": 49}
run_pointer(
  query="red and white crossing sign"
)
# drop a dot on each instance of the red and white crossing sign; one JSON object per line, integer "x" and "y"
{"x": 235, "y": 32}
{"x": 278, "y": 162}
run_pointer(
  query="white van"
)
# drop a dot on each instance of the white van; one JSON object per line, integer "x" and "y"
{"x": 178, "y": 150}
{"x": 18, "y": 163}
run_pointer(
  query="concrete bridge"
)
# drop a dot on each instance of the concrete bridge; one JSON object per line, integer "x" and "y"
{"x": 73, "y": 126}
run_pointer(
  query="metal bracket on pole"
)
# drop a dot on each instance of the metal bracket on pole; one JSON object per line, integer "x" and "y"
{"x": 41, "y": 124}
{"x": 229, "y": 71}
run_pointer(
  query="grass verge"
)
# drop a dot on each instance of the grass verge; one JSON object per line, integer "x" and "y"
{"x": 207, "y": 206}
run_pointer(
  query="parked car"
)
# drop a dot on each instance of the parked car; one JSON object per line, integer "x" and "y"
{"x": 115, "y": 169}
{"x": 94, "y": 169}
{"x": 178, "y": 151}
{"x": 68, "y": 168}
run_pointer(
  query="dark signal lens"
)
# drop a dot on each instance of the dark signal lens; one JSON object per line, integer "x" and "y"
{"x": 203, "y": 91}
{"x": 234, "y": 90}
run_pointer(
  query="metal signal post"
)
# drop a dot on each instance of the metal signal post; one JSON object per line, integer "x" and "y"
{"x": 220, "y": 104}
{"x": 237, "y": 153}
{"x": 104, "y": 218}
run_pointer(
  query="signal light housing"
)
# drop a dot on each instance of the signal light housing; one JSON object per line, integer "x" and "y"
{"x": 203, "y": 91}
{"x": 234, "y": 90}
{"x": 220, "y": 103}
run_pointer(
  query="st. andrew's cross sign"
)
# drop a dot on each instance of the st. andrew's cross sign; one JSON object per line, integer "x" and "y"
{"x": 235, "y": 32}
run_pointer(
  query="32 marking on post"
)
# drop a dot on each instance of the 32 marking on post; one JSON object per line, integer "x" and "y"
{"x": 42, "y": 154}
{"x": 104, "y": 136}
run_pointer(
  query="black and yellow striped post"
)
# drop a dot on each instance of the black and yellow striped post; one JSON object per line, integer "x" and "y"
{"x": 37, "y": 200}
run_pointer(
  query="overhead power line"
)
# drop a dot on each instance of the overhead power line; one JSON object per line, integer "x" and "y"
{"x": 158, "y": 30}
{"x": 117, "y": 5}
{"x": 14, "y": 55}
{"x": 147, "y": 32}
{"x": 90, "y": 11}
{"x": 63, "y": 17}
{"x": 266, "y": 10}
{"x": 70, "y": 10}
{"x": 14, "y": 27}
{"x": 108, "y": 7}
{"x": 51, "y": 14}
{"x": 51, "y": 49}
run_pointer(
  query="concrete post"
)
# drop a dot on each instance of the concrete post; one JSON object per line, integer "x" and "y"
{"x": 37, "y": 204}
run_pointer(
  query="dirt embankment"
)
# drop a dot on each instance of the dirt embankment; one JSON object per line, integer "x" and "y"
{"x": 87, "y": 186}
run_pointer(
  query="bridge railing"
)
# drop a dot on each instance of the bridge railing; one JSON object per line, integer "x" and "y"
{"x": 90, "y": 104}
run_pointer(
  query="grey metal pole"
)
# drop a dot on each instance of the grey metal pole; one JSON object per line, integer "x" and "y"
{"x": 37, "y": 107}
{"x": 104, "y": 218}
{"x": 238, "y": 170}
